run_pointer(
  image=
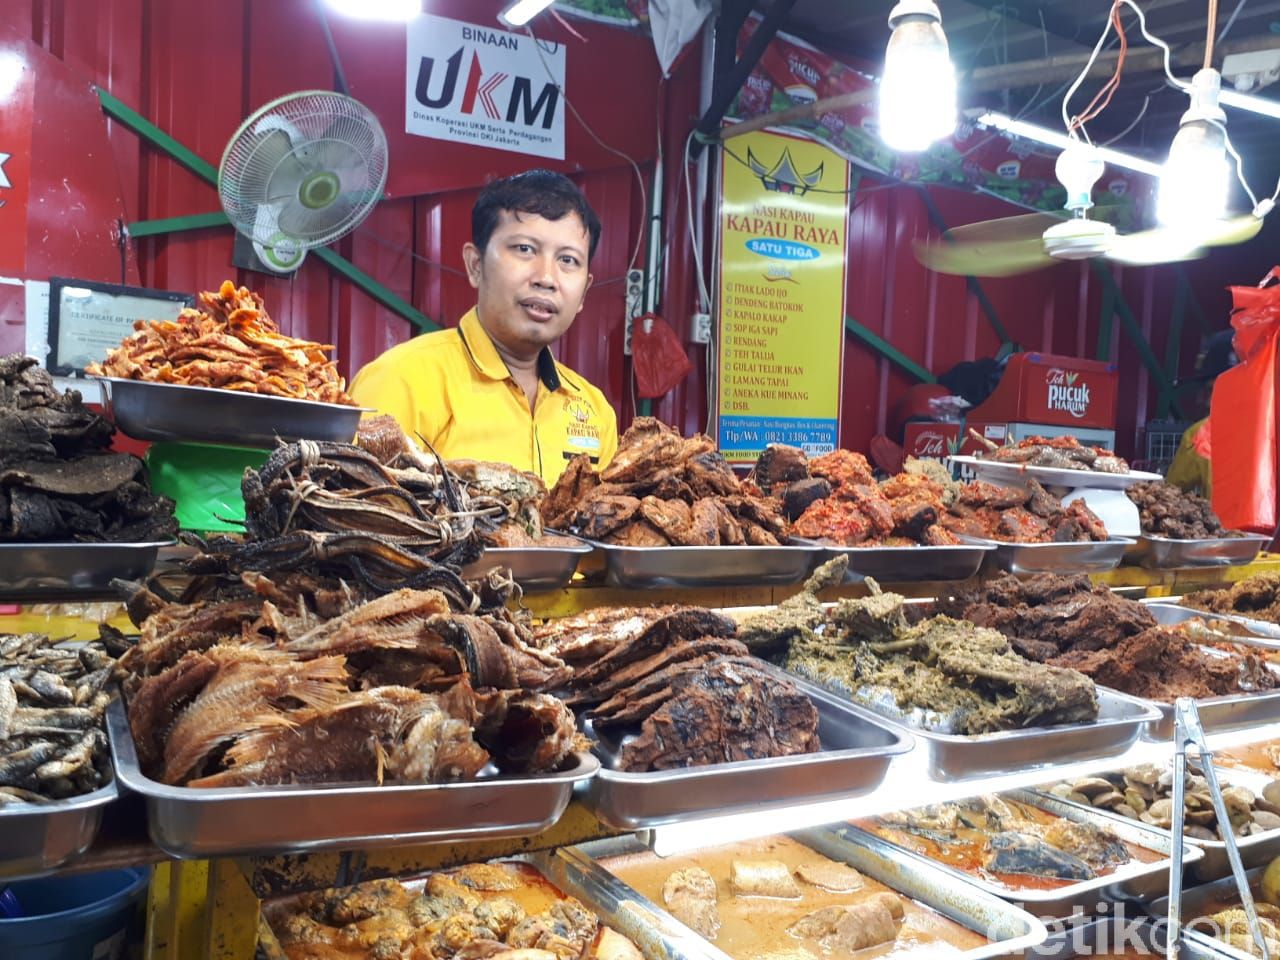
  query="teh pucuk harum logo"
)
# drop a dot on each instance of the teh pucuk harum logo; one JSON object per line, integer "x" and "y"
{"x": 1065, "y": 394}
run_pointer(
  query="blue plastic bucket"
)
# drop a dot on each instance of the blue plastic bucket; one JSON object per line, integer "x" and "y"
{"x": 77, "y": 917}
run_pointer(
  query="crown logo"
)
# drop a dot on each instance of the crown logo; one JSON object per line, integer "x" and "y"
{"x": 783, "y": 177}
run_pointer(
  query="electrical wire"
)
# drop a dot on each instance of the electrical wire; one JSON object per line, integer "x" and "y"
{"x": 1156, "y": 41}
{"x": 1259, "y": 210}
{"x": 1235, "y": 155}
{"x": 1093, "y": 57}
{"x": 704, "y": 295}
{"x": 1226, "y": 27}
{"x": 1210, "y": 26}
{"x": 1102, "y": 99}
{"x": 1142, "y": 112}
{"x": 644, "y": 197}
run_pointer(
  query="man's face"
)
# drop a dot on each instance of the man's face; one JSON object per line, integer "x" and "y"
{"x": 531, "y": 279}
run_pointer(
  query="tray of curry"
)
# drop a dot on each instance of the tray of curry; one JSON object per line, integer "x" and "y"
{"x": 1053, "y": 857}
{"x": 834, "y": 899}
{"x": 531, "y": 906}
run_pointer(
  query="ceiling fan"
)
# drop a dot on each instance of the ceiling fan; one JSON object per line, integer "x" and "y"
{"x": 1013, "y": 245}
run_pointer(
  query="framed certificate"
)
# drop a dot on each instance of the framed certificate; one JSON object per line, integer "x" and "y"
{"x": 88, "y": 318}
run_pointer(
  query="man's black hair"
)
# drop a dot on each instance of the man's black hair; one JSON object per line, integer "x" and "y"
{"x": 541, "y": 192}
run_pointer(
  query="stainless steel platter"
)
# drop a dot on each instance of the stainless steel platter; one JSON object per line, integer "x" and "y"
{"x": 72, "y": 571}
{"x": 191, "y": 822}
{"x": 1219, "y": 714}
{"x": 1126, "y": 935}
{"x": 1255, "y": 851}
{"x": 1136, "y": 881}
{"x": 534, "y": 568}
{"x": 175, "y": 412}
{"x": 1230, "y": 712}
{"x": 998, "y": 471}
{"x": 1261, "y": 628}
{"x": 857, "y": 747}
{"x": 904, "y": 564}
{"x": 1012, "y": 931}
{"x": 599, "y": 892}
{"x": 1172, "y": 614}
{"x": 1196, "y": 903}
{"x": 1121, "y": 720}
{"x": 1063, "y": 558}
{"x": 645, "y": 567}
{"x": 40, "y": 838}
{"x": 1161, "y": 552}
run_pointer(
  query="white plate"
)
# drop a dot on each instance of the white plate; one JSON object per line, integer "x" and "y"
{"x": 995, "y": 470}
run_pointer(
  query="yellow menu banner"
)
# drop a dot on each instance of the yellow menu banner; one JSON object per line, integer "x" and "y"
{"x": 784, "y": 214}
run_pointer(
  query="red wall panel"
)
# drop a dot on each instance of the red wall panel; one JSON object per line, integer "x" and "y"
{"x": 196, "y": 69}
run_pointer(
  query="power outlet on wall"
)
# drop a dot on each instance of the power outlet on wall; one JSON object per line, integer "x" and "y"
{"x": 635, "y": 304}
{"x": 700, "y": 328}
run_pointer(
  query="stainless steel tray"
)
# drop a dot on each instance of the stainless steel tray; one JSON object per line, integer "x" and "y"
{"x": 1137, "y": 881}
{"x": 1261, "y": 628}
{"x": 1229, "y": 712}
{"x": 1219, "y": 714}
{"x": 1255, "y": 851}
{"x": 857, "y": 747}
{"x": 534, "y": 568}
{"x": 191, "y": 822}
{"x": 904, "y": 564}
{"x": 39, "y": 838}
{"x": 1127, "y": 935}
{"x": 1002, "y": 471}
{"x": 1161, "y": 552}
{"x": 1013, "y": 932}
{"x": 1064, "y": 558}
{"x": 171, "y": 411}
{"x": 951, "y": 756}
{"x": 643, "y": 567}
{"x": 600, "y": 893}
{"x": 1195, "y": 904}
{"x": 72, "y": 571}
{"x": 1171, "y": 614}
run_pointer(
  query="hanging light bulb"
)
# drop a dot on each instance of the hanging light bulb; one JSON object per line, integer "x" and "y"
{"x": 918, "y": 89}
{"x": 1079, "y": 166}
{"x": 396, "y": 11}
{"x": 1196, "y": 179}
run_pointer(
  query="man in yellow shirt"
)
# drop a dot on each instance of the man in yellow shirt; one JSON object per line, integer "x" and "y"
{"x": 490, "y": 388}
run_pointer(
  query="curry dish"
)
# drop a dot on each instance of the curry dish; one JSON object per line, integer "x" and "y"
{"x": 776, "y": 899}
{"x": 489, "y": 910}
{"x": 1011, "y": 844}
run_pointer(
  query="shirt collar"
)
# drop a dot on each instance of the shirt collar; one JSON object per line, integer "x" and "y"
{"x": 484, "y": 355}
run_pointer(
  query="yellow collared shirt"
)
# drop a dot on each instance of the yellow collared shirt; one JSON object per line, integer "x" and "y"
{"x": 452, "y": 389}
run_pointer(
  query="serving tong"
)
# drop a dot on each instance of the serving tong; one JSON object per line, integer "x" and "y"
{"x": 1187, "y": 729}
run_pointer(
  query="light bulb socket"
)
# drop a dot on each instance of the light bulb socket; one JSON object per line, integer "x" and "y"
{"x": 1206, "y": 86}
{"x": 914, "y": 8}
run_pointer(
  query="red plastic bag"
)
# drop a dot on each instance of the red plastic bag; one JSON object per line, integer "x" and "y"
{"x": 657, "y": 356}
{"x": 1242, "y": 413}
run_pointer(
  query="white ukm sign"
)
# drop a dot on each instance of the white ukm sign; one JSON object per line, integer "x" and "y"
{"x": 479, "y": 85}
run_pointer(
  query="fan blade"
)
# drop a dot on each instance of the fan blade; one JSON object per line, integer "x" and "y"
{"x": 1167, "y": 245}
{"x": 1008, "y": 229}
{"x": 995, "y": 259}
{"x": 1225, "y": 233}
{"x": 1149, "y": 247}
{"x": 307, "y": 225}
